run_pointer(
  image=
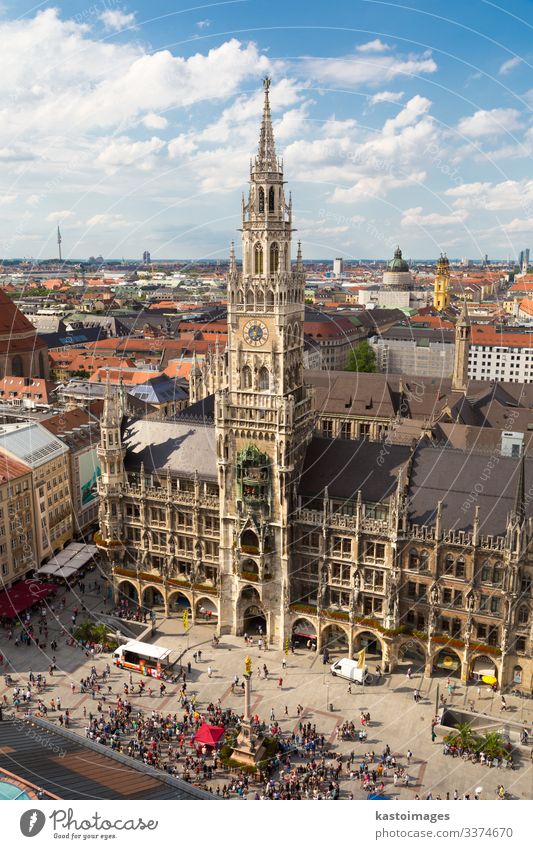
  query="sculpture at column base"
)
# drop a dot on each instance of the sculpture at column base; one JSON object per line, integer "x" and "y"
{"x": 248, "y": 751}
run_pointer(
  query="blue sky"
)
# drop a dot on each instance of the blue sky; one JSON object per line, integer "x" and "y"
{"x": 131, "y": 124}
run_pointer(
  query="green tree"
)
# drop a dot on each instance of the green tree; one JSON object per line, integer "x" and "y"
{"x": 462, "y": 736}
{"x": 493, "y": 745}
{"x": 362, "y": 358}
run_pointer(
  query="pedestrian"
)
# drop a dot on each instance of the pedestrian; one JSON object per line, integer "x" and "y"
{"x": 409, "y": 672}
{"x": 503, "y": 704}
{"x": 209, "y": 672}
{"x": 433, "y": 735}
{"x": 409, "y": 756}
{"x": 349, "y": 689}
{"x": 286, "y": 710}
{"x": 189, "y": 667}
{"x": 199, "y": 656}
{"x": 272, "y": 715}
{"x": 280, "y": 682}
{"x": 284, "y": 663}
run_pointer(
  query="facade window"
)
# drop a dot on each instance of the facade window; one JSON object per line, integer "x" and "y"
{"x": 520, "y": 644}
{"x": 258, "y": 259}
{"x": 261, "y": 199}
{"x": 523, "y": 615}
{"x": 271, "y": 200}
{"x": 264, "y": 379}
{"x": 374, "y": 579}
{"x": 375, "y": 552}
{"x": 274, "y": 257}
{"x": 327, "y": 428}
{"x": 246, "y": 377}
{"x": 342, "y": 546}
{"x": 346, "y": 430}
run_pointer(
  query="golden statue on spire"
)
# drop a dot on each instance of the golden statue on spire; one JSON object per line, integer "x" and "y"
{"x": 266, "y": 82}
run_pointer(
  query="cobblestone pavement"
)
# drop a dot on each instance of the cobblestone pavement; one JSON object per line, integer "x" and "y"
{"x": 396, "y": 719}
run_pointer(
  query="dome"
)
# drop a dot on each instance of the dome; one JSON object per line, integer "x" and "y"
{"x": 398, "y": 264}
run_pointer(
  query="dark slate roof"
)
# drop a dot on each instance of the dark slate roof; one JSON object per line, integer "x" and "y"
{"x": 200, "y": 411}
{"x": 345, "y": 466}
{"x": 79, "y": 336}
{"x": 462, "y": 481}
{"x": 71, "y": 767}
{"x": 178, "y": 446}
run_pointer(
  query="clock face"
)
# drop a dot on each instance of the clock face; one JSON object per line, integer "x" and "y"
{"x": 255, "y": 332}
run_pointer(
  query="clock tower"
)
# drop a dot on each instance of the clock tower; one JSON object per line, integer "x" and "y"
{"x": 264, "y": 414}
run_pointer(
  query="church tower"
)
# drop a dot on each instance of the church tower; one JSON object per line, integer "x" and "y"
{"x": 264, "y": 413}
{"x": 441, "y": 295}
{"x": 463, "y": 336}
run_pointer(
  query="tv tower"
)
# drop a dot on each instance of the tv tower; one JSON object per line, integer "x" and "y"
{"x": 59, "y": 242}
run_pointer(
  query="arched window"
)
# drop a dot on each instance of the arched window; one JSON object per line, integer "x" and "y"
{"x": 261, "y": 199}
{"x": 246, "y": 377}
{"x": 460, "y": 567}
{"x": 264, "y": 379}
{"x": 274, "y": 257}
{"x": 414, "y": 561}
{"x": 17, "y": 367}
{"x": 517, "y": 675}
{"x": 240, "y": 297}
{"x": 249, "y": 298}
{"x": 497, "y": 574}
{"x": 271, "y": 202}
{"x": 258, "y": 259}
{"x": 260, "y": 299}
{"x": 523, "y": 615}
{"x": 448, "y": 563}
{"x": 270, "y": 298}
{"x": 424, "y": 561}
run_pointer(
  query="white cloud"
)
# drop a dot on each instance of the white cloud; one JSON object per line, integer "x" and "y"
{"x": 371, "y": 70}
{"x": 181, "y": 146}
{"x": 205, "y": 24}
{"x": 386, "y": 97}
{"x": 5, "y": 200}
{"x": 413, "y": 109}
{"x": 509, "y": 65}
{"x": 154, "y": 122}
{"x": 375, "y": 46}
{"x": 508, "y": 194}
{"x": 108, "y": 221}
{"x": 123, "y": 151}
{"x": 376, "y": 186}
{"x": 416, "y": 217}
{"x": 62, "y": 215}
{"x": 116, "y": 19}
{"x": 489, "y": 122}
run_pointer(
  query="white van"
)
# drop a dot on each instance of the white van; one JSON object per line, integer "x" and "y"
{"x": 347, "y": 668}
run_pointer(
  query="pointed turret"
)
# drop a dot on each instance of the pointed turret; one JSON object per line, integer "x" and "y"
{"x": 232, "y": 260}
{"x": 266, "y": 159}
{"x": 463, "y": 335}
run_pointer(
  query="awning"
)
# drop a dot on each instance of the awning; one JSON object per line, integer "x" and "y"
{"x": 23, "y": 595}
{"x": 485, "y": 667}
{"x": 69, "y": 560}
{"x": 209, "y": 734}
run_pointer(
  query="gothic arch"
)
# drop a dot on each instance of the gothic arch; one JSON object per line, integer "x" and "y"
{"x": 210, "y": 608}
{"x": 261, "y": 201}
{"x": 274, "y": 257}
{"x": 249, "y": 298}
{"x": 371, "y": 642}
{"x": 264, "y": 379}
{"x": 152, "y": 596}
{"x": 335, "y": 637}
{"x": 240, "y": 297}
{"x": 270, "y": 298}
{"x": 260, "y": 299}
{"x": 128, "y": 590}
{"x": 271, "y": 199}
{"x": 179, "y": 601}
{"x": 246, "y": 377}
{"x": 258, "y": 258}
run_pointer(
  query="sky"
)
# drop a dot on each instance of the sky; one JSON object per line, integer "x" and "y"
{"x": 131, "y": 125}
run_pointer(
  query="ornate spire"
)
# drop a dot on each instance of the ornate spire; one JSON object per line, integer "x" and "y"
{"x": 232, "y": 262}
{"x": 299, "y": 264}
{"x": 266, "y": 158}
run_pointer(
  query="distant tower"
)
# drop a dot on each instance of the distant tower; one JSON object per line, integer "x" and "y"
{"x": 441, "y": 295}
{"x": 463, "y": 337}
{"x": 338, "y": 267}
{"x": 525, "y": 261}
{"x": 146, "y": 258}
{"x": 59, "y": 240}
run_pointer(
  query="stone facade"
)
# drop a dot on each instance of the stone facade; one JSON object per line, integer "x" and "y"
{"x": 238, "y": 511}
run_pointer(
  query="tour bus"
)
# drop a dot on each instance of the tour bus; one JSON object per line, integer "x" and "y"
{"x": 142, "y": 657}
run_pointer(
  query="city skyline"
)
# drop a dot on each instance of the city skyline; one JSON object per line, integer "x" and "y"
{"x": 417, "y": 133}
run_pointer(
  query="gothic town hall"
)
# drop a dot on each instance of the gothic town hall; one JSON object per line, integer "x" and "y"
{"x": 236, "y": 506}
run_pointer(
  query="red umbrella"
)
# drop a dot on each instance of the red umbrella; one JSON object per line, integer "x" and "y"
{"x": 209, "y": 734}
